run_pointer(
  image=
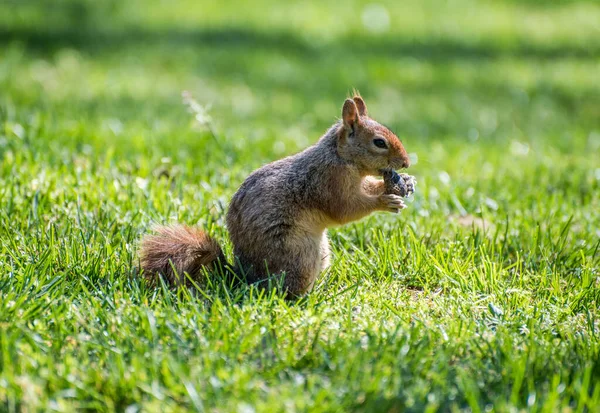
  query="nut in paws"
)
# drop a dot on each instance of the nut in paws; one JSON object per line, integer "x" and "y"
{"x": 398, "y": 184}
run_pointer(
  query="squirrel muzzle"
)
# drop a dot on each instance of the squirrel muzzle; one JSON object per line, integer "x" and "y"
{"x": 400, "y": 163}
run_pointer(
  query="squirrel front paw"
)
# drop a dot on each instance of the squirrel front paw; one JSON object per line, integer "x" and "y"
{"x": 391, "y": 203}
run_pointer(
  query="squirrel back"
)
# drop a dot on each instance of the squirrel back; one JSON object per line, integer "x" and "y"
{"x": 277, "y": 219}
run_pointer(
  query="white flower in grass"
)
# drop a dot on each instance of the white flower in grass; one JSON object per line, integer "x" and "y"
{"x": 200, "y": 112}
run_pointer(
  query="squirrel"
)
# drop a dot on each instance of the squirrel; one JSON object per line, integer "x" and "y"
{"x": 278, "y": 218}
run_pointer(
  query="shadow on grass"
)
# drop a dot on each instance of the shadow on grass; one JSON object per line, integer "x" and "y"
{"x": 321, "y": 69}
{"x": 432, "y": 48}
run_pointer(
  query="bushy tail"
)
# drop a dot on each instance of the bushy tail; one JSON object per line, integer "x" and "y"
{"x": 177, "y": 249}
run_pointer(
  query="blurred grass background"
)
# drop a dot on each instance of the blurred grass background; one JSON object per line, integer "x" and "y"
{"x": 498, "y": 103}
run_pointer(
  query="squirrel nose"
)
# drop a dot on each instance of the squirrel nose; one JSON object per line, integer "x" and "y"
{"x": 402, "y": 162}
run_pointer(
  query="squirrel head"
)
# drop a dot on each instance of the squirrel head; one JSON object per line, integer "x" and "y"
{"x": 366, "y": 143}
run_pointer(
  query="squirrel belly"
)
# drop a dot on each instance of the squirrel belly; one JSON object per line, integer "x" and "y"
{"x": 278, "y": 218}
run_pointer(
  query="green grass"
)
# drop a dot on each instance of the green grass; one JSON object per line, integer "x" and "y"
{"x": 483, "y": 295}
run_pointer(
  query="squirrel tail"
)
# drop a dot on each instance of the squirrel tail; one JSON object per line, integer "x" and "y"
{"x": 178, "y": 249}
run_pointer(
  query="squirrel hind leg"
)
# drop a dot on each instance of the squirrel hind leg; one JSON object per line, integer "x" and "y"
{"x": 325, "y": 252}
{"x": 175, "y": 250}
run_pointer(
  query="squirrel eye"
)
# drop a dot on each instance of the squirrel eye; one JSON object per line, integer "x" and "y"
{"x": 380, "y": 143}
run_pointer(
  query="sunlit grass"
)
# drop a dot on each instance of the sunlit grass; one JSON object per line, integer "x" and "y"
{"x": 483, "y": 293}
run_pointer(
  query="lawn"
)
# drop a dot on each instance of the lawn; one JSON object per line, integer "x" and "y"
{"x": 482, "y": 295}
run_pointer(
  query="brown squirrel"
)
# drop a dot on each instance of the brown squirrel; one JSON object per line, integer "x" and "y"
{"x": 278, "y": 218}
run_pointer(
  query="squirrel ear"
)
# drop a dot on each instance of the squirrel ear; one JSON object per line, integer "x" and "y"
{"x": 349, "y": 114}
{"x": 360, "y": 105}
